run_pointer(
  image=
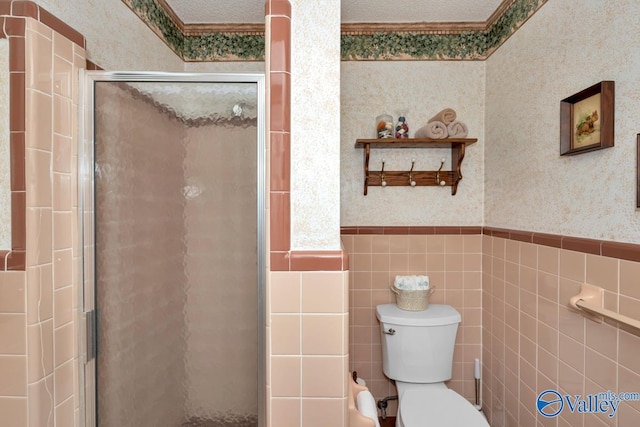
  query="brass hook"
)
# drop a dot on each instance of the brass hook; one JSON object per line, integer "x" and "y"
{"x": 411, "y": 181}
{"x": 383, "y": 182}
{"x": 441, "y": 183}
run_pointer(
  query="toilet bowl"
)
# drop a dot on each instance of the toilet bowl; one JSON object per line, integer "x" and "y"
{"x": 437, "y": 408}
{"x": 417, "y": 352}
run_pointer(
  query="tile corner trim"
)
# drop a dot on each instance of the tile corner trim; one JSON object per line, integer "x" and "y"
{"x": 30, "y": 9}
{"x": 612, "y": 249}
{"x": 337, "y": 260}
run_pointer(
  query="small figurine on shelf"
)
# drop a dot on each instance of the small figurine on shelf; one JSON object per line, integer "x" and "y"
{"x": 402, "y": 129}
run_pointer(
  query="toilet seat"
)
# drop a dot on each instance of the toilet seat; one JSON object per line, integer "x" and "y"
{"x": 437, "y": 408}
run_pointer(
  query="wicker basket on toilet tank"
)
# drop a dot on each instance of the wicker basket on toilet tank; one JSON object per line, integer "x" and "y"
{"x": 412, "y": 300}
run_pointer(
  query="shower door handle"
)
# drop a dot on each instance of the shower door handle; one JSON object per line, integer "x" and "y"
{"x": 91, "y": 335}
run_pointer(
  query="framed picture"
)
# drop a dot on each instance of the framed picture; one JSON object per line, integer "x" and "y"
{"x": 586, "y": 119}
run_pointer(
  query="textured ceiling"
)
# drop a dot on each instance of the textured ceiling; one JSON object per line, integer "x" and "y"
{"x": 382, "y": 11}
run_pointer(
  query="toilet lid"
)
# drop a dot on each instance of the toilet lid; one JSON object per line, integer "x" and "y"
{"x": 439, "y": 408}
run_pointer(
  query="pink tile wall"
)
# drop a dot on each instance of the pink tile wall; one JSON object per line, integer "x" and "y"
{"x": 307, "y": 337}
{"x": 12, "y": 20}
{"x": 278, "y": 70}
{"x": 532, "y": 341}
{"x": 40, "y": 306}
{"x": 52, "y": 280}
{"x": 453, "y": 263}
{"x": 13, "y": 348}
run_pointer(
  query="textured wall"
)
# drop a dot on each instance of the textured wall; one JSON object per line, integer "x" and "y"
{"x": 5, "y": 196}
{"x": 116, "y": 38}
{"x": 420, "y": 90}
{"x": 560, "y": 51}
{"x": 221, "y": 269}
{"x": 315, "y": 125}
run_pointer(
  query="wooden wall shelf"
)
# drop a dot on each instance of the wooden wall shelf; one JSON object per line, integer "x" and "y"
{"x": 421, "y": 178}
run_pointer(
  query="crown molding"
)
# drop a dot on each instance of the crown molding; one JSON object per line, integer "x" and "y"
{"x": 200, "y": 29}
{"x": 210, "y": 28}
{"x": 369, "y": 28}
{"x": 437, "y": 42}
{"x": 500, "y": 10}
{"x": 421, "y": 41}
{"x": 173, "y": 16}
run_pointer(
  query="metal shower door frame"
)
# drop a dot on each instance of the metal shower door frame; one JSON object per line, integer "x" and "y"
{"x": 87, "y": 328}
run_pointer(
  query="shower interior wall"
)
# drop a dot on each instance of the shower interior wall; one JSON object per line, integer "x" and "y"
{"x": 221, "y": 269}
{"x": 191, "y": 265}
{"x": 139, "y": 275}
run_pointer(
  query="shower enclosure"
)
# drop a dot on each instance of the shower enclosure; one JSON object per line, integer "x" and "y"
{"x": 172, "y": 185}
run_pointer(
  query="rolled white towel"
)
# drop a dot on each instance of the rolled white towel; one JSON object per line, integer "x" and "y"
{"x": 457, "y": 129}
{"x": 411, "y": 282}
{"x": 366, "y": 405}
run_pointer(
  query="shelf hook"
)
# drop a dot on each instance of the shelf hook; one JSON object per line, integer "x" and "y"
{"x": 383, "y": 182}
{"x": 441, "y": 183}
{"x": 411, "y": 181}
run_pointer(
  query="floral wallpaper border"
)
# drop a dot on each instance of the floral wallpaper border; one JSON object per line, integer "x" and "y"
{"x": 198, "y": 48}
{"x": 470, "y": 45}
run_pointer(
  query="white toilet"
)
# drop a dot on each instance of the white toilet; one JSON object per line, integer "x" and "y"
{"x": 417, "y": 352}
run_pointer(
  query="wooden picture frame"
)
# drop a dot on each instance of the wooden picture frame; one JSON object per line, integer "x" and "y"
{"x": 586, "y": 119}
{"x": 638, "y": 171}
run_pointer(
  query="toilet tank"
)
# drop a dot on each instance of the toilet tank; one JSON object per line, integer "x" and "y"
{"x": 417, "y": 346}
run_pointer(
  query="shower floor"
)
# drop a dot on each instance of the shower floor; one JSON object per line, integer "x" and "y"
{"x": 244, "y": 421}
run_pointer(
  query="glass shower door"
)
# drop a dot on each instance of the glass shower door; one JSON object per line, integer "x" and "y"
{"x": 174, "y": 250}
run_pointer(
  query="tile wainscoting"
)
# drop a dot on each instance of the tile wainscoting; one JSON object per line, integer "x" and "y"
{"x": 453, "y": 263}
{"x": 517, "y": 298}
